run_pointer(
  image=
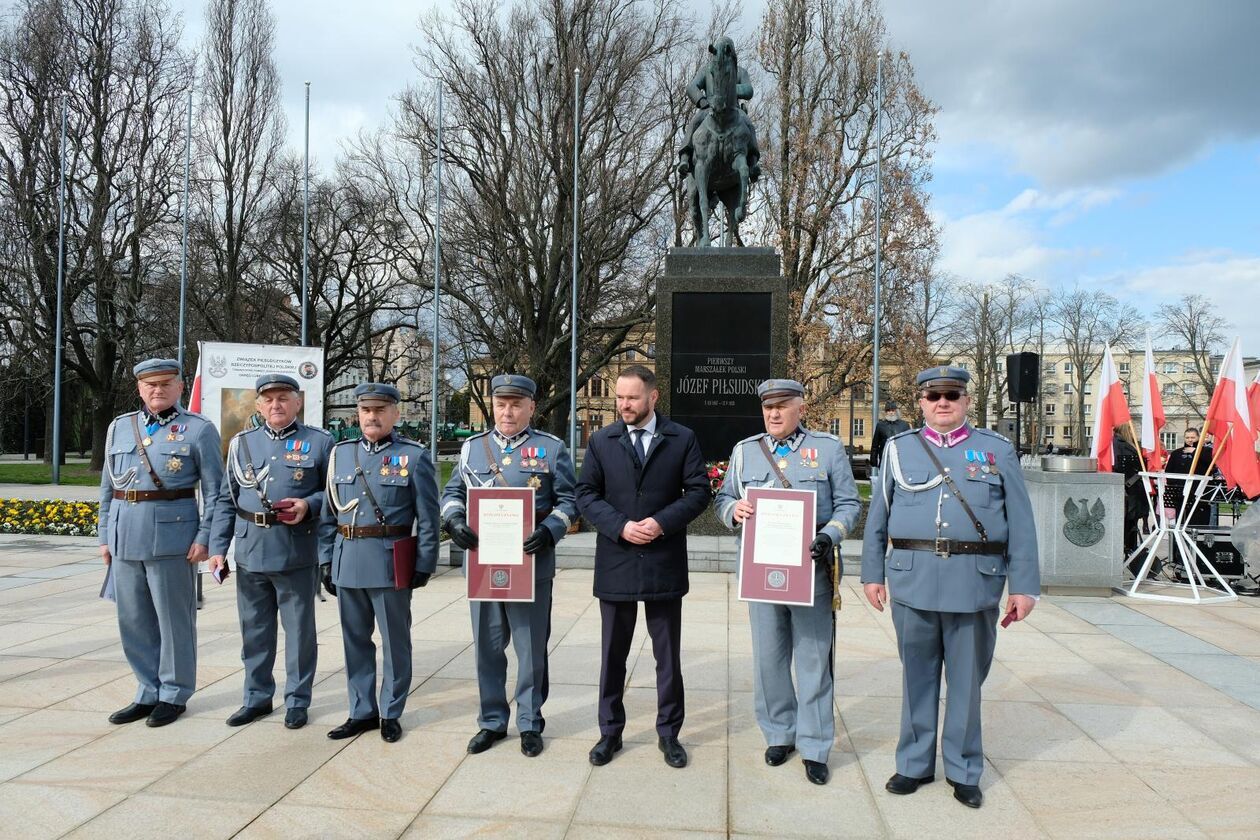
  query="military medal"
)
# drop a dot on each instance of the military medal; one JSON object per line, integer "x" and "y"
{"x": 507, "y": 460}
{"x": 298, "y": 474}
{"x": 148, "y": 441}
{"x": 809, "y": 458}
{"x": 384, "y": 470}
{"x": 174, "y": 465}
{"x": 535, "y": 482}
{"x": 992, "y": 459}
{"x": 402, "y": 463}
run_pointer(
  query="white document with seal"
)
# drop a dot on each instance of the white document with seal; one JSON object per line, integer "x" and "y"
{"x": 778, "y": 537}
{"x": 500, "y": 525}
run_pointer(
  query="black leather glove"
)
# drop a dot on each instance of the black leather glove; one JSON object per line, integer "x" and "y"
{"x": 820, "y": 548}
{"x": 461, "y": 534}
{"x": 325, "y": 575}
{"x": 419, "y": 579}
{"x": 538, "y": 541}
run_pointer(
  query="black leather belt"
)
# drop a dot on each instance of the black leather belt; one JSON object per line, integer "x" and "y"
{"x": 155, "y": 495}
{"x": 262, "y": 520}
{"x": 364, "y": 531}
{"x": 944, "y": 547}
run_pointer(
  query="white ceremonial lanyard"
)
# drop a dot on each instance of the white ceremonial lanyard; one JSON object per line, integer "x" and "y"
{"x": 330, "y": 490}
{"x": 895, "y": 465}
{"x": 118, "y": 482}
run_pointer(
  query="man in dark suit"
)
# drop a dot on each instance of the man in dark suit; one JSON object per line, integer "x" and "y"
{"x": 642, "y": 482}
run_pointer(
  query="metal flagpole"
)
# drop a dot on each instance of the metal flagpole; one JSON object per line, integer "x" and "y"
{"x": 879, "y": 157}
{"x": 61, "y": 271}
{"x": 437, "y": 274}
{"x": 306, "y": 206}
{"x": 183, "y": 250}
{"x": 573, "y": 305}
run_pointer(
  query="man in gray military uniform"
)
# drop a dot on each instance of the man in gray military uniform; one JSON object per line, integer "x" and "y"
{"x": 153, "y": 537}
{"x": 788, "y": 454}
{"x": 379, "y": 487}
{"x": 950, "y": 525}
{"x": 270, "y": 502}
{"x": 514, "y": 454}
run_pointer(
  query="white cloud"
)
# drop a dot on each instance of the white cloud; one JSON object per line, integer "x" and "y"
{"x": 1077, "y": 92}
{"x": 991, "y": 244}
{"x": 1230, "y": 281}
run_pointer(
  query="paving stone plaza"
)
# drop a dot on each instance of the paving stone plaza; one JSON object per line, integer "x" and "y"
{"x": 1103, "y": 717}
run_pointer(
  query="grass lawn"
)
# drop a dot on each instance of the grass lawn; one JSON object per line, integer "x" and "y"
{"x": 37, "y": 472}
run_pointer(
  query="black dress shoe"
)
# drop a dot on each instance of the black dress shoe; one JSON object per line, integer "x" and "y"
{"x": 484, "y": 740}
{"x": 531, "y": 743}
{"x": 777, "y": 755}
{"x": 675, "y": 755}
{"x": 391, "y": 730}
{"x": 164, "y": 713}
{"x": 968, "y": 795}
{"x": 602, "y": 752}
{"x": 817, "y": 772}
{"x": 354, "y": 726}
{"x": 248, "y": 714}
{"x": 295, "y": 718}
{"x": 902, "y": 785}
{"x": 132, "y": 713}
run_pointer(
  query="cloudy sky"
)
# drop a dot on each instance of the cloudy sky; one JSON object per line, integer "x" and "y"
{"x": 1112, "y": 144}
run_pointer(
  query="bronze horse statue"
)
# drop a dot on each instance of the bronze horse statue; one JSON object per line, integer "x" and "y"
{"x": 724, "y": 161}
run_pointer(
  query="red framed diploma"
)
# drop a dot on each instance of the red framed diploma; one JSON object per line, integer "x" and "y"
{"x": 775, "y": 566}
{"x": 498, "y": 568}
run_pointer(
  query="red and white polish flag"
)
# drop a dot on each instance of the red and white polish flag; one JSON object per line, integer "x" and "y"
{"x": 1153, "y": 418}
{"x": 1110, "y": 410}
{"x": 1235, "y": 451}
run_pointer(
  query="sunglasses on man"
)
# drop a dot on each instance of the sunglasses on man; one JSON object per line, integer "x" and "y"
{"x": 950, "y": 396}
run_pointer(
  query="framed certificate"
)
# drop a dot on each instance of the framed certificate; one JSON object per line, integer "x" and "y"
{"x": 774, "y": 562}
{"x": 498, "y": 568}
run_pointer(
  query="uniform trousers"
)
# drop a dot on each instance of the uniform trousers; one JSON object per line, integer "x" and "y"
{"x": 390, "y": 611}
{"x": 964, "y": 644}
{"x": 664, "y": 623}
{"x": 803, "y": 716}
{"x": 157, "y": 621}
{"x": 259, "y": 597}
{"x": 527, "y": 626}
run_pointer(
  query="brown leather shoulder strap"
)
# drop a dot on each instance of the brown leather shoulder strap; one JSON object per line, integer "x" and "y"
{"x": 949, "y": 481}
{"x": 367, "y": 488}
{"x": 774, "y": 465}
{"x": 144, "y": 455}
{"x": 494, "y": 464}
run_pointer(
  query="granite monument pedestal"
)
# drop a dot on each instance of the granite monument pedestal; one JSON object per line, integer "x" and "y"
{"x": 1080, "y": 529}
{"x": 722, "y": 328}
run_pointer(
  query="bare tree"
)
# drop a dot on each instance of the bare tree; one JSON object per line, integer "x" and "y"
{"x": 508, "y": 76}
{"x": 1086, "y": 322}
{"x": 238, "y": 145}
{"x": 817, "y": 124}
{"x": 117, "y": 67}
{"x": 1192, "y": 324}
{"x": 990, "y": 320}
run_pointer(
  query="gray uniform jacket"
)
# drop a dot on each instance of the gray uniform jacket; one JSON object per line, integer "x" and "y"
{"x": 401, "y": 477}
{"x": 826, "y": 471}
{"x": 539, "y": 460}
{"x": 184, "y": 451}
{"x": 910, "y": 501}
{"x": 291, "y": 464}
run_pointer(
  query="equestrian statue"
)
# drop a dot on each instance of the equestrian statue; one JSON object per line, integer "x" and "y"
{"x": 719, "y": 158}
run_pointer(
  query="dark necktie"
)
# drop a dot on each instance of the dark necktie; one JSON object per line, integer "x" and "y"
{"x": 637, "y": 436}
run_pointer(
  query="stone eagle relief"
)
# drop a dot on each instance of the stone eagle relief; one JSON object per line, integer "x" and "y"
{"x": 1084, "y": 525}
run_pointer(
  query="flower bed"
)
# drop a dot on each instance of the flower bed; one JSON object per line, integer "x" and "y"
{"x": 48, "y": 516}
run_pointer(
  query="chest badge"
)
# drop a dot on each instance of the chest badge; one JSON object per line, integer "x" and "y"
{"x": 534, "y": 481}
{"x": 809, "y": 458}
{"x": 174, "y": 465}
{"x": 299, "y": 474}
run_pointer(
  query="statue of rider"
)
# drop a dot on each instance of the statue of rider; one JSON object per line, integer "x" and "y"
{"x": 696, "y": 92}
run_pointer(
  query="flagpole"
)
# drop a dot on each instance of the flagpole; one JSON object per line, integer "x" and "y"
{"x": 573, "y": 304}
{"x": 183, "y": 248}
{"x": 61, "y": 271}
{"x": 437, "y": 273}
{"x": 306, "y": 207}
{"x": 879, "y": 156}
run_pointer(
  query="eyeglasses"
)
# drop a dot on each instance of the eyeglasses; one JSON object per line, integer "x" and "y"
{"x": 950, "y": 396}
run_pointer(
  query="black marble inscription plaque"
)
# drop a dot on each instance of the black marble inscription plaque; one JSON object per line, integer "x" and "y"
{"x": 720, "y": 352}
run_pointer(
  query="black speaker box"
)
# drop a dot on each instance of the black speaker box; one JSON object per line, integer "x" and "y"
{"x": 1022, "y": 376}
